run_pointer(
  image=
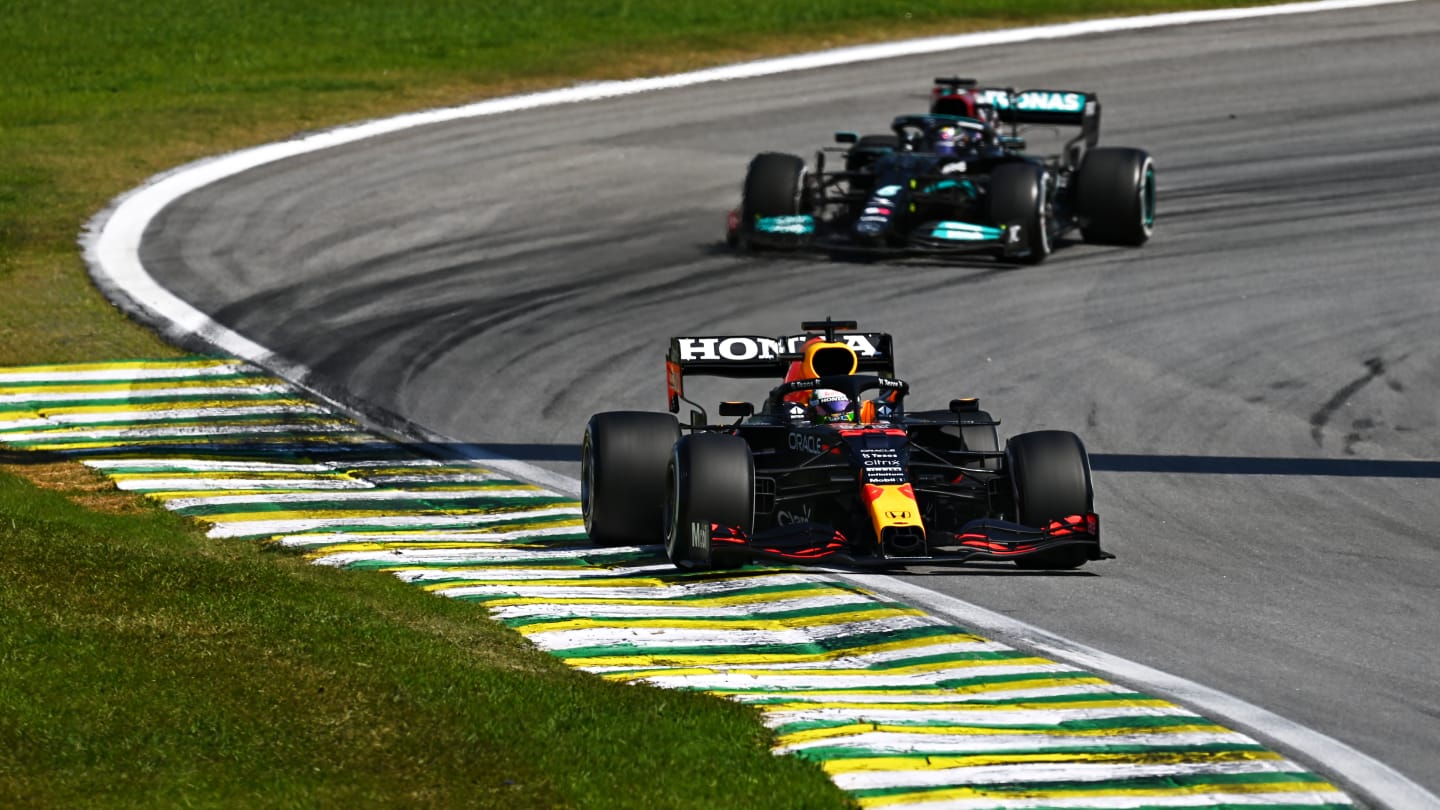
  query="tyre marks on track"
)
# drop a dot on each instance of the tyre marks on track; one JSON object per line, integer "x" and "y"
{"x": 901, "y": 708}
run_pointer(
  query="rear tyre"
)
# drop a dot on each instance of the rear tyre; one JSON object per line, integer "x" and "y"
{"x": 1017, "y": 196}
{"x": 711, "y": 480}
{"x": 1115, "y": 193}
{"x": 1050, "y": 479}
{"x": 622, "y": 476}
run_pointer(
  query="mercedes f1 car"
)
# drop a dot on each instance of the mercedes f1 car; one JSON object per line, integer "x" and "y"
{"x": 955, "y": 180}
{"x": 865, "y": 483}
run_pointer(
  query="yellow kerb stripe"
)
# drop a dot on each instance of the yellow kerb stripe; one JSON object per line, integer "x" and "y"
{"x": 798, "y": 592}
{"x": 854, "y": 673}
{"x": 121, "y": 388}
{"x": 478, "y": 532}
{"x": 122, "y": 364}
{"x": 854, "y": 729}
{"x": 1233, "y": 788}
{"x": 594, "y": 582}
{"x": 168, "y": 405}
{"x": 729, "y": 657}
{"x": 411, "y": 511}
{"x": 1102, "y": 701}
{"x": 709, "y": 624}
{"x": 968, "y": 689}
{"x": 836, "y": 767}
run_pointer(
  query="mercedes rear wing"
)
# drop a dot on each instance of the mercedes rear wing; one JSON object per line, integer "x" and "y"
{"x": 1019, "y": 107}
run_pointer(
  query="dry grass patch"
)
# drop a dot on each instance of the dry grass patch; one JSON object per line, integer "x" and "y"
{"x": 79, "y": 484}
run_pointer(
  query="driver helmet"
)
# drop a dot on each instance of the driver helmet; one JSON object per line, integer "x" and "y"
{"x": 950, "y": 140}
{"x": 829, "y": 405}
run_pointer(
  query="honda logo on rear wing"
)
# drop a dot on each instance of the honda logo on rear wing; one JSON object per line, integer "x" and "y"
{"x": 742, "y": 348}
{"x": 758, "y": 357}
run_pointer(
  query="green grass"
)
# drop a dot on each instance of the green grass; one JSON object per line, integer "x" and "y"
{"x": 143, "y": 665}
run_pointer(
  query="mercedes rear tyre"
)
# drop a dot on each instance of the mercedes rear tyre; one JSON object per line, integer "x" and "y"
{"x": 1017, "y": 197}
{"x": 622, "y": 476}
{"x": 1115, "y": 196}
{"x": 1050, "y": 479}
{"x": 711, "y": 482}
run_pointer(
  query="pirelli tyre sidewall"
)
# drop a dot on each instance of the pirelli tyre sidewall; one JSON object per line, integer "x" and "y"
{"x": 1115, "y": 196}
{"x": 775, "y": 186}
{"x": 623, "y": 463}
{"x": 1049, "y": 473}
{"x": 1018, "y": 196}
{"x": 711, "y": 480}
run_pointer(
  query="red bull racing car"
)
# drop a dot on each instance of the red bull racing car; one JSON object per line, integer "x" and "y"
{"x": 831, "y": 467}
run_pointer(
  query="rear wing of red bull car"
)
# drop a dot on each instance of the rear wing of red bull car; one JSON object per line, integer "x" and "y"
{"x": 759, "y": 357}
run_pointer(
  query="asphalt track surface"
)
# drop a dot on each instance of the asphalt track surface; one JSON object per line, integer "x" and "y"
{"x": 1258, "y": 386}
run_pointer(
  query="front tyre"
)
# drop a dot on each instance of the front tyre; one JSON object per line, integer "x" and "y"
{"x": 775, "y": 186}
{"x": 711, "y": 480}
{"x": 1018, "y": 196}
{"x": 1050, "y": 479}
{"x": 1115, "y": 194}
{"x": 622, "y": 476}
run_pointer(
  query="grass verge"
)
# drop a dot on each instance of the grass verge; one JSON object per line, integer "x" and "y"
{"x": 142, "y": 664}
{"x": 145, "y": 665}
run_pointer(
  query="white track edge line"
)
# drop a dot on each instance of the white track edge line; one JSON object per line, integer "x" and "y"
{"x": 111, "y": 246}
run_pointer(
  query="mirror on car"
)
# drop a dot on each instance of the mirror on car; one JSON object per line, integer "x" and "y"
{"x": 965, "y": 405}
{"x": 847, "y": 137}
{"x": 740, "y": 409}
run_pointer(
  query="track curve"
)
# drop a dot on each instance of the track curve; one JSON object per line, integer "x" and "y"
{"x": 1257, "y": 385}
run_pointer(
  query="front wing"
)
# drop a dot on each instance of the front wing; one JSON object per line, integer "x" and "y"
{"x": 979, "y": 540}
{"x": 938, "y": 237}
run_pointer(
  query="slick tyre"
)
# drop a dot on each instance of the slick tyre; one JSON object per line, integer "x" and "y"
{"x": 1050, "y": 476}
{"x": 774, "y": 187}
{"x": 623, "y": 462}
{"x": 711, "y": 480}
{"x": 1017, "y": 196}
{"x": 1115, "y": 196}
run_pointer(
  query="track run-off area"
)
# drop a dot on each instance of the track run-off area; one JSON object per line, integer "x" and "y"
{"x": 1256, "y": 388}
